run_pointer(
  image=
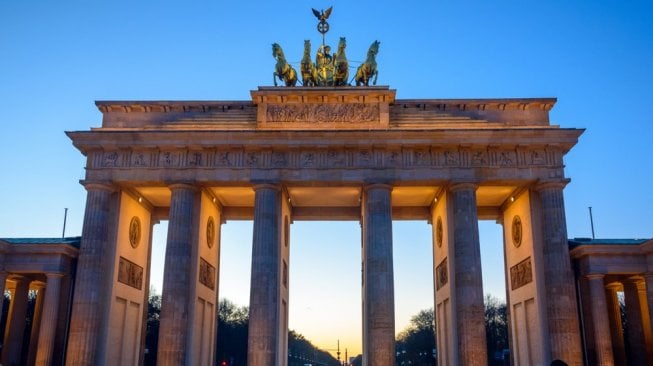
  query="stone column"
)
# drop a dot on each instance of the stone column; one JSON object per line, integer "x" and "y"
{"x": 15, "y": 328}
{"x": 36, "y": 322}
{"x": 378, "y": 295}
{"x": 561, "y": 306}
{"x": 89, "y": 298}
{"x": 49, "y": 319}
{"x": 616, "y": 329}
{"x": 173, "y": 329}
{"x": 636, "y": 343}
{"x": 649, "y": 297}
{"x": 264, "y": 302}
{"x": 600, "y": 320}
{"x": 3, "y": 282}
{"x": 468, "y": 284}
{"x": 646, "y": 321}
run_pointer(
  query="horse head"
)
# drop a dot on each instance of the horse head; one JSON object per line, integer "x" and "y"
{"x": 342, "y": 44}
{"x": 276, "y": 50}
{"x": 374, "y": 48}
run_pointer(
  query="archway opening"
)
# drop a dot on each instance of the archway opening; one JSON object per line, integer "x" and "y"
{"x": 414, "y": 297}
{"x": 325, "y": 285}
{"x": 494, "y": 290}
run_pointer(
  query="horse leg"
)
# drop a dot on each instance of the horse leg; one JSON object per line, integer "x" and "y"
{"x": 274, "y": 78}
{"x": 376, "y": 75}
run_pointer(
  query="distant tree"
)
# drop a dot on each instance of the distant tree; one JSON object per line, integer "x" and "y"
{"x": 416, "y": 342}
{"x": 496, "y": 329}
{"x": 357, "y": 361}
{"x": 152, "y": 327}
{"x": 233, "y": 322}
{"x": 301, "y": 351}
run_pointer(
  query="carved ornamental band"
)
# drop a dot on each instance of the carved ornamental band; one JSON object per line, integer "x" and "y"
{"x": 314, "y": 112}
{"x": 402, "y": 157}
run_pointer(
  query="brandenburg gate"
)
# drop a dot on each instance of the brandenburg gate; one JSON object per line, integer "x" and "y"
{"x": 321, "y": 153}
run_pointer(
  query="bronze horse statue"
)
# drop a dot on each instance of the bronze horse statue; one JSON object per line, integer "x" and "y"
{"x": 341, "y": 66}
{"x": 368, "y": 68}
{"x": 307, "y": 67}
{"x": 283, "y": 70}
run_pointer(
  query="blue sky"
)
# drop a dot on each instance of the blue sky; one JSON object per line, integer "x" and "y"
{"x": 56, "y": 58}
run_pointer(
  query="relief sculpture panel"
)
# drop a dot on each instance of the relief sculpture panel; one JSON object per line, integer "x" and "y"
{"x": 207, "y": 274}
{"x": 521, "y": 274}
{"x": 130, "y": 273}
{"x": 320, "y": 113}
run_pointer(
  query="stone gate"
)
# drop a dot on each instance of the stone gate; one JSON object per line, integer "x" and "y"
{"x": 321, "y": 153}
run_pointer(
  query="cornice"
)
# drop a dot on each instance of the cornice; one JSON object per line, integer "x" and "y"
{"x": 164, "y": 106}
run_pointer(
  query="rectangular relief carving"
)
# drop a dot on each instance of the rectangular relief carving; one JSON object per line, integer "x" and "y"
{"x": 521, "y": 274}
{"x": 323, "y": 113}
{"x": 207, "y": 274}
{"x": 441, "y": 274}
{"x": 130, "y": 273}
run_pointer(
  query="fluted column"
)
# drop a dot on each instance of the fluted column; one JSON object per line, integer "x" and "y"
{"x": 89, "y": 300}
{"x": 379, "y": 312}
{"x": 468, "y": 284}
{"x": 646, "y": 329}
{"x": 616, "y": 328}
{"x": 600, "y": 320}
{"x": 3, "y": 283}
{"x": 173, "y": 329}
{"x": 49, "y": 319}
{"x": 561, "y": 306}
{"x": 15, "y": 328}
{"x": 36, "y": 322}
{"x": 649, "y": 297}
{"x": 636, "y": 342}
{"x": 264, "y": 302}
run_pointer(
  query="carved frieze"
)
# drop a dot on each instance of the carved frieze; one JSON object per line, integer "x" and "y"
{"x": 521, "y": 274}
{"x": 322, "y": 113}
{"x": 328, "y": 158}
{"x": 207, "y": 274}
{"x": 130, "y": 273}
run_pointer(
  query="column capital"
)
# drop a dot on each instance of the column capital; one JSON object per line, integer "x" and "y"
{"x": 98, "y": 185}
{"x": 634, "y": 279}
{"x": 54, "y": 275}
{"x": 613, "y": 286}
{"x": 262, "y": 185}
{"x": 462, "y": 186}
{"x": 551, "y": 184}
{"x": 369, "y": 186}
{"x": 182, "y": 185}
{"x": 594, "y": 276}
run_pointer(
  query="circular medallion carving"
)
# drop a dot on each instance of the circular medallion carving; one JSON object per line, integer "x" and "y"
{"x": 135, "y": 231}
{"x": 516, "y": 231}
{"x": 210, "y": 232}
{"x": 439, "y": 232}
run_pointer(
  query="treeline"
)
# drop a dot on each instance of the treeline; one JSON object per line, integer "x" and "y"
{"x": 231, "y": 342}
{"x": 415, "y": 345}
